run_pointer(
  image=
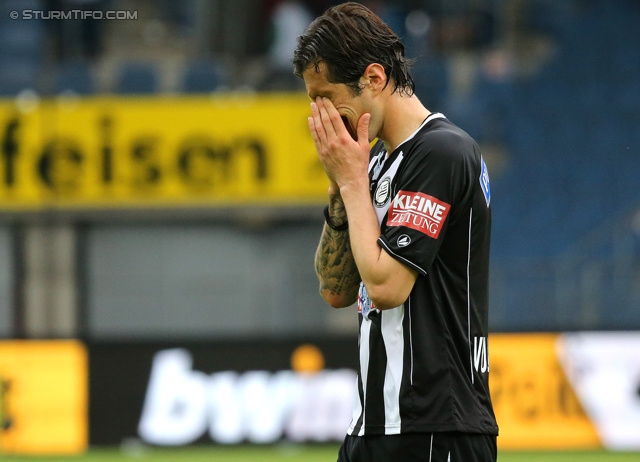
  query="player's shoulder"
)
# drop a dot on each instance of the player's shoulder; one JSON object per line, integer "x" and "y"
{"x": 443, "y": 133}
{"x": 442, "y": 139}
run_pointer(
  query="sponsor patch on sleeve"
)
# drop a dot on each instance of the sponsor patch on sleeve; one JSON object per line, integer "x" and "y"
{"x": 484, "y": 183}
{"x": 418, "y": 211}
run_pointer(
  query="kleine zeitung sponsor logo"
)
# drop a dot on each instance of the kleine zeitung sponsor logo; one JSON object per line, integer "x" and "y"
{"x": 418, "y": 211}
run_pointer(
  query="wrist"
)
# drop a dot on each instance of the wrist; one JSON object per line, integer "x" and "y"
{"x": 334, "y": 189}
{"x": 335, "y": 223}
{"x": 355, "y": 191}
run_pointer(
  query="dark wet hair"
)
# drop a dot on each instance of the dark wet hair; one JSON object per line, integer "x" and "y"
{"x": 348, "y": 38}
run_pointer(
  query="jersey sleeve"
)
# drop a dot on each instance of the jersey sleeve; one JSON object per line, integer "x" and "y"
{"x": 434, "y": 179}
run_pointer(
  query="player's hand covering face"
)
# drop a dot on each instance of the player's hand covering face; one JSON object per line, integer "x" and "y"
{"x": 345, "y": 157}
{"x": 339, "y": 126}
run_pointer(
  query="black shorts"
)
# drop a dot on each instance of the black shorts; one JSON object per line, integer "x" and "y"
{"x": 419, "y": 447}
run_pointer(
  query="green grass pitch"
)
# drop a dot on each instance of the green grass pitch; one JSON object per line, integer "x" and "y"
{"x": 295, "y": 453}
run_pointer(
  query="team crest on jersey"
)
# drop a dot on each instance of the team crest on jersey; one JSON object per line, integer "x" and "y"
{"x": 418, "y": 211}
{"x": 484, "y": 182}
{"x": 383, "y": 192}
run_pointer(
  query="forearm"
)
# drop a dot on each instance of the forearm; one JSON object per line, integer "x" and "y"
{"x": 334, "y": 263}
{"x": 388, "y": 281}
{"x": 364, "y": 231}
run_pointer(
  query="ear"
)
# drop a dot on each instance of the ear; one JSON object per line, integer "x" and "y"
{"x": 374, "y": 77}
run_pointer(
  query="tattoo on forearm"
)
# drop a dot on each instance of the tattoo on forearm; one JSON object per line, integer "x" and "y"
{"x": 335, "y": 266}
{"x": 337, "y": 209}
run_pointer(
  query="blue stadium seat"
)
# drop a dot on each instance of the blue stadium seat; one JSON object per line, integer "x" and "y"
{"x": 75, "y": 77}
{"x": 137, "y": 79}
{"x": 17, "y": 74}
{"x": 202, "y": 76}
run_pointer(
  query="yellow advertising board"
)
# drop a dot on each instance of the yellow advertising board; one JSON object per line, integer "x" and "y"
{"x": 107, "y": 152}
{"x": 44, "y": 400}
{"x": 535, "y": 405}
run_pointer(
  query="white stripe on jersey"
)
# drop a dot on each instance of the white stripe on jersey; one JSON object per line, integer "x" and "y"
{"x": 431, "y": 448}
{"x": 359, "y": 408}
{"x": 469, "y": 296}
{"x": 408, "y": 310}
{"x": 377, "y": 161}
{"x": 393, "y": 337}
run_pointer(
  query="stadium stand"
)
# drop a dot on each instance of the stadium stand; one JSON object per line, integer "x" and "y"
{"x": 137, "y": 78}
{"x": 571, "y": 180}
{"x": 21, "y": 48}
{"x": 76, "y": 77}
{"x": 202, "y": 76}
{"x": 570, "y": 134}
{"x": 431, "y": 77}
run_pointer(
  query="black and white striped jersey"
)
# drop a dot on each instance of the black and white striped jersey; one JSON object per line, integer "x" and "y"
{"x": 424, "y": 365}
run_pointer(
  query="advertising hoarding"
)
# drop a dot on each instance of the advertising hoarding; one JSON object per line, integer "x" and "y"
{"x": 550, "y": 391}
{"x": 171, "y": 151}
{"x": 44, "y": 399}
